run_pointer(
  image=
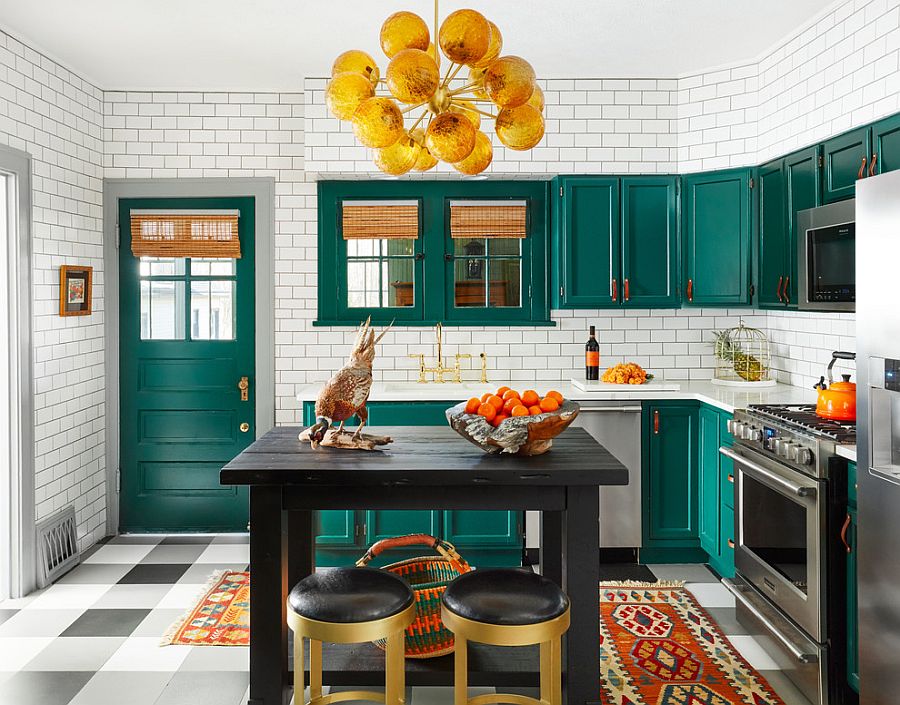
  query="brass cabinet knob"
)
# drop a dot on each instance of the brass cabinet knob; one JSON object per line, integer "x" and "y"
{"x": 244, "y": 427}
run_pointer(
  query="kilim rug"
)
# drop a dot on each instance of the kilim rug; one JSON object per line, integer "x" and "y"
{"x": 220, "y": 618}
{"x": 659, "y": 647}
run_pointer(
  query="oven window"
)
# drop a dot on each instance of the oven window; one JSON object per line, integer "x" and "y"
{"x": 774, "y": 528}
{"x": 832, "y": 263}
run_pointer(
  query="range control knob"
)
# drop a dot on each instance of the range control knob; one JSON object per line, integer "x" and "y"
{"x": 751, "y": 433}
{"x": 804, "y": 456}
{"x": 729, "y": 425}
{"x": 784, "y": 449}
{"x": 737, "y": 429}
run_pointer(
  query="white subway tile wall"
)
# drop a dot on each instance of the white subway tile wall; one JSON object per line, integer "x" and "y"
{"x": 840, "y": 71}
{"x": 57, "y": 117}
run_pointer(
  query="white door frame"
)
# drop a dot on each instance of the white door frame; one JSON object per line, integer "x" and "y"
{"x": 263, "y": 191}
{"x": 18, "y": 561}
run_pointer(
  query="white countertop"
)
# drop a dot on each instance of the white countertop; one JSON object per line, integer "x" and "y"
{"x": 726, "y": 398}
{"x": 847, "y": 450}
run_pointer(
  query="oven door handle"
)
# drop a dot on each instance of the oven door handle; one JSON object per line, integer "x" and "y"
{"x": 762, "y": 473}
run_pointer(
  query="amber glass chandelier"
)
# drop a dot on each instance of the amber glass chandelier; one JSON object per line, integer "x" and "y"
{"x": 448, "y": 129}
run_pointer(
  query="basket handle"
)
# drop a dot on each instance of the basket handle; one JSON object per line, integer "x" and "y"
{"x": 444, "y": 548}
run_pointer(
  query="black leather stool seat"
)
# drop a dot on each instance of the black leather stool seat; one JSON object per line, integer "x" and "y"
{"x": 505, "y": 596}
{"x": 350, "y": 595}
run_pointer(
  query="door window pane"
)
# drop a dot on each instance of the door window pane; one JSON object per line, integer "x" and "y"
{"x": 505, "y": 278}
{"x": 162, "y": 266}
{"x": 212, "y": 310}
{"x": 380, "y": 273}
{"x": 162, "y": 310}
{"x": 487, "y": 272}
{"x": 213, "y": 267}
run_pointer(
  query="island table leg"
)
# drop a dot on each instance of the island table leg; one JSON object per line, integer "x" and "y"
{"x": 581, "y": 579}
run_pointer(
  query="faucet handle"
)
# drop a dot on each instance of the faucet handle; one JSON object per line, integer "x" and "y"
{"x": 463, "y": 356}
{"x": 421, "y": 358}
{"x": 484, "y": 378}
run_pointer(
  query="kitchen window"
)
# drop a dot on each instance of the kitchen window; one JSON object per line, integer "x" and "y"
{"x": 421, "y": 252}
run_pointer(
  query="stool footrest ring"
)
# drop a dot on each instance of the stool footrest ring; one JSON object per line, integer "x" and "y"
{"x": 503, "y": 698}
{"x": 348, "y": 695}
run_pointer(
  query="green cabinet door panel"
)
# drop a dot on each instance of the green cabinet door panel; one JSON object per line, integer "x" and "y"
{"x": 852, "y": 487}
{"x": 180, "y": 362}
{"x": 846, "y": 159}
{"x": 417, "y": 413}
{"x": 649, "y": 276}
{"x": 708, "y": 476}
{"x": 336, "y": 527}
{"x": 384, "y": 524}
{"x": 803, "y": 180}
{"x": 773, "y": 235}
{"x": 588, "y": 244}
{"x": 852, "y": 603}
{"x": 886, "y": 144}
{"x": 716, "y": 232}
{"x": 669, "y": 485}
{"x": 477, "y": 528}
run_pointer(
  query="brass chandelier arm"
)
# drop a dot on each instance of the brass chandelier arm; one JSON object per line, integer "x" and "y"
{"x": 464, "y": 89}
{"x": 451, "y": 74}
{"x": 410, "y": 108}
{"x": 419, "y": 120}
{"x": 471, "y": 108}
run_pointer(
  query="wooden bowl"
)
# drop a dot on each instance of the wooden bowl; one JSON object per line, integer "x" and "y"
{"x": 522, "y": 435}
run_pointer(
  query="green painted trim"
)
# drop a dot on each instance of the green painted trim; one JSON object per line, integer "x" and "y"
{"x": 379, "y": 319}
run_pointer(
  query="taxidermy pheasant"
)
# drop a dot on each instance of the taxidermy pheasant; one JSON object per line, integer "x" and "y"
{"x": 347, "y": 392}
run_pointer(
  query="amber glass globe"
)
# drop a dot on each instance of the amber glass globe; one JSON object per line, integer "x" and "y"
{"x": 476, "y": 77}
{"x": 537, "y": 98}
{"x": 378, "y": 122}
{"x": 399, "y": 158}
{"x": 404, "y": 30}
{"x": 465, "y": 36}
{"x": 493, "y": 51}
{"x": 466, "y": 108}
{"x": 521, "y": 127}
{"x": 356, "y": 61}
{"x": 450, "y": 137}
{"x": 412, "y": 76}
{"x": 479, "y": 158}
{"x": 509, "y": 81}
{"x": 425, "y": 160}
{"x": 345, "y": 92}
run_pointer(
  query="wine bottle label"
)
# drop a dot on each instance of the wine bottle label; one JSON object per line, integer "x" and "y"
{"x": 592, "y": 358}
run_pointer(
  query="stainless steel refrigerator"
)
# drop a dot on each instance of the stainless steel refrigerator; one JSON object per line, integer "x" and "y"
{"x": 878, "y": 398}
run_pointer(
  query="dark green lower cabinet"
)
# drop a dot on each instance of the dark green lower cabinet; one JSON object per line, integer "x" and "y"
{"x": 852, "y": 594}
{"x": 710, "y": 506}
{"x": 482, "y": 537}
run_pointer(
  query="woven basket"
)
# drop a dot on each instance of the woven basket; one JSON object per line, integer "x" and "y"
{"x": 428, "y": 576}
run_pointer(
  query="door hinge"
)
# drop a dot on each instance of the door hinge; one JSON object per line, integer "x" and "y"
{"x": 560, "y": 191}
{"x": 118, "y": 480}
{"x": 821, "y": 161}
{"x": 117, "y": 235}
{"x": 562, "y": 292}
{"x": 529, "y": 293}
{"x": 752, "y": 291}
{"x": 752, "y": 182}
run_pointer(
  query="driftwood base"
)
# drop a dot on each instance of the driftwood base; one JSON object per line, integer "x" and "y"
{"x": 333, "y": 439}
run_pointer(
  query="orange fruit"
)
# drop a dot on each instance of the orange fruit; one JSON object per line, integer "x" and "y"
{"x": 489, "y": 411}
{"x": 499, "y": 419}
{"x": 555, "y": 395}
{"x": 530, "y": 397}
{"x": 509, "y": 404}
{"x": 472, "y": 405}
{"x": 510, "y": 394}
{"x": 549, "y": 404}
{"x": 486, "y": 396}
{"x": 495, "y": 401}
{"x": 502, "y": 391}
{"x": 535, "y": 410}
{"x": 519, "y": 410}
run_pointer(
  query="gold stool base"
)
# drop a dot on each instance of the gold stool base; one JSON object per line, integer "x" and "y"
{"x": 547, "y": 634}
{"x": 390, "y": 628}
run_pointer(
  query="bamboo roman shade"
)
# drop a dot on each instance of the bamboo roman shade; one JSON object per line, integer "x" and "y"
{"x": 380, "y": 220}
{"x": 488, "y": 219}
{"x": 185, "y": 234}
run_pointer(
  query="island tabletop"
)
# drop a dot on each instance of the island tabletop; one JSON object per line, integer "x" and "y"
{"x": 424, "y": 468}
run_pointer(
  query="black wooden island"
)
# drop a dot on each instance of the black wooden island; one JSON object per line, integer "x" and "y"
{"x": 424, "y": 468}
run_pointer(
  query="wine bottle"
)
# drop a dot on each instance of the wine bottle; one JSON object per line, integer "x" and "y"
{"x": 592, "y": 357}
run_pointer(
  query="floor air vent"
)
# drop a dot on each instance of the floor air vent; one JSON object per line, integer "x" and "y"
{"x": 58, "y": 545}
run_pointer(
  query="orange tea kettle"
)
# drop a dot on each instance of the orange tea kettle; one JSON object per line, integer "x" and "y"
{"x": 837, "y": 400}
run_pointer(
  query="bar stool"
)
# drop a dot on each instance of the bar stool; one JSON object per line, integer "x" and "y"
{"x": 348, "y": 606}
{"x": 507, "y": 607}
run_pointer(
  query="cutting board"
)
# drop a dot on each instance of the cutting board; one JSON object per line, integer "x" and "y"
{"x": 652, "y": 385}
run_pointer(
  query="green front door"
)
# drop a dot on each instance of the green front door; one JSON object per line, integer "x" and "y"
{"x": 186, "y": 338}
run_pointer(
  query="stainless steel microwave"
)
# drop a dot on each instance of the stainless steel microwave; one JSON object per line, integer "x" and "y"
{"x": 826, "y": 257}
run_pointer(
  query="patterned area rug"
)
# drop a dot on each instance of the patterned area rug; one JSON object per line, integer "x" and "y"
{"x": 659, "y": 647}
{"x": 220, "y": 618}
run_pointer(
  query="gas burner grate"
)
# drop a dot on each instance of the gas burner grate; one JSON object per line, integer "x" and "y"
{"x": 803, "y": 416}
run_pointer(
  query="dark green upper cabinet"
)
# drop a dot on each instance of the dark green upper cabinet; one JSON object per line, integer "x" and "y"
{"x": 886, "y": 145}
{"x": 649, "y": 242}
{"x": 716, "y": 232}
{"x": 473, "y": 276}
{"x": 846, "y": 160}
{"x": 588, "y": 242}
{"x": 803, "y": 179}
{"x": 774, "y": 257}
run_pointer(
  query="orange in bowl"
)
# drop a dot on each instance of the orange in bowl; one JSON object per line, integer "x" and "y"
{"x": 495, "y": 401}
{"x": 549, "y": 404}
{"x": 489, "y": 411}
{"x": 472, "y": 405}
{"x": 509, "y": 404}
{"x": 535, "y": 410}
{"x": 556, "y": 395}
{"x": 510, "y": 394}
{"x": 530, "y": 397}
{"x": 502, "y": 390}
{"x": 499, "y": 419}
{"x": 519, "y": 410}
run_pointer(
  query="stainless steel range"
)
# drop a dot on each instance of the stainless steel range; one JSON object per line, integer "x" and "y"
{"x": 790, "y": 500}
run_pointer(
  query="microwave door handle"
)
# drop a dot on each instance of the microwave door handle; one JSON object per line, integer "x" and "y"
{"x": 787, "y": 296}
{"x": 771, "y": 478}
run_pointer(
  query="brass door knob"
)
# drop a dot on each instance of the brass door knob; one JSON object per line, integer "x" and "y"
{"x": 244, "y": 427}
{"x": 244, "y": 386}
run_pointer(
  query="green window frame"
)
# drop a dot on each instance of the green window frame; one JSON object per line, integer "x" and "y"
{"x": 434, "y": 256}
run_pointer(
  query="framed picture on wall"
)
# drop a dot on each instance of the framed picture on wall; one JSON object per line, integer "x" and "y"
{"x": 75, "y": 290}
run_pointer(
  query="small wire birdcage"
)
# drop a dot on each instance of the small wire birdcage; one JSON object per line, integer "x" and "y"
{"x": 742, "y": 356}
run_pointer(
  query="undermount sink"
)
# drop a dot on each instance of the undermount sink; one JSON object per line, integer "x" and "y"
{"x": 454, "y": 390}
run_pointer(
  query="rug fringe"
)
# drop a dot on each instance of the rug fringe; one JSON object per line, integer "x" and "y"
{"x": 176, "y": 626}
{"x": 641, "y": 584}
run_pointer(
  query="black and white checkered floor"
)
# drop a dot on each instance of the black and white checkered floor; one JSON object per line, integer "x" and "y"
{"x": 93, "y": 637}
